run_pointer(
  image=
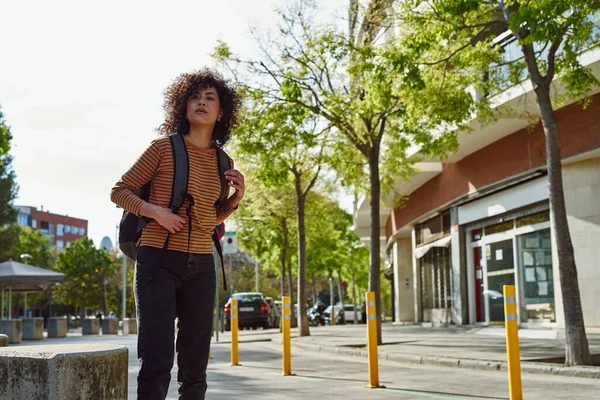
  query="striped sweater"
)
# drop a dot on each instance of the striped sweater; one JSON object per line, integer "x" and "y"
{"x": 204, "y": 185}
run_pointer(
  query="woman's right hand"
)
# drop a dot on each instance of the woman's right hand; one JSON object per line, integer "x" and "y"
{"x": 164, "y": 216}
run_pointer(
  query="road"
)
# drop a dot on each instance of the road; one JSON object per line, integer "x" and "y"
{"x": 338, "y": 376}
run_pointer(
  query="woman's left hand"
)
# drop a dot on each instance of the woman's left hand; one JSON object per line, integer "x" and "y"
{"x": 236, "y": 181}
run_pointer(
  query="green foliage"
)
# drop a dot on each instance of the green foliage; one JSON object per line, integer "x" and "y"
{"x": 88, "y": 270}
{"x": 8, "y": 186}
{"x": 331, "y": 244}
{"x": 16, "y": 240}
{"x": 460, "y": 38}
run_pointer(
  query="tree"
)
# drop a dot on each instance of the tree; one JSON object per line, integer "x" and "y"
{"x": 16, "y": 240}
{"x": 285, "y": 143}
{"x": 265, "y": 219}
{"x": 87, "y": 270}
{"x": 8, "y": 186}
{"x": 455, "y": 40}
{"x": 348, "y": 78}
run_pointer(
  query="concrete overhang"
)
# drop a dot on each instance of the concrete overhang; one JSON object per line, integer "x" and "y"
{"x": 520, "y": 104}
{"x": 362, "y": 223}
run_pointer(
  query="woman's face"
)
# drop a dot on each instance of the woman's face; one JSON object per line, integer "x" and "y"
{"x": 203, "y": 107}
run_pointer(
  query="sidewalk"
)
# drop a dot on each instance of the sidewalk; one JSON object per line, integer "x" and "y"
{"x": 542, "y": 351}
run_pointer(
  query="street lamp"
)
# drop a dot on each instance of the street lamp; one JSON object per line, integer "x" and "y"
{"x": 25, "y": 257}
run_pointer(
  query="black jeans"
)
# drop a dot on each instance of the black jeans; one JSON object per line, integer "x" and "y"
{"x": 168, "y": 285}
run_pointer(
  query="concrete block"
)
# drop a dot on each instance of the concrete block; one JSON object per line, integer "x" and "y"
{"x": 33, "y": 328}
{"x": 110, "y": 326}
{"x": 90, "y": 326}
{"x": 129, "y": 326}
{"x": 57, "y": 327}
{"x": 13, "y": 329}
{"x": 57, "y": 372}
{"x": 3, "y": 340}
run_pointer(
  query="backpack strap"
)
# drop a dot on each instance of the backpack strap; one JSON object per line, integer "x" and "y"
{"x": 224, "y": 164}
{"x": 181, "y": 174}
{"x": 181, "y": 166}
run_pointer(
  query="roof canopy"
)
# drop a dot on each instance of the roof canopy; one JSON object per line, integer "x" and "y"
{"x": 16, "y": 274}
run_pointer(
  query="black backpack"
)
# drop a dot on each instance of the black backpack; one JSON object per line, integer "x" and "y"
{"x": 131, "y": 226}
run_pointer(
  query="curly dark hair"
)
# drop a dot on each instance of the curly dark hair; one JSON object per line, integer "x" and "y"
{"x": 187, "y": 84}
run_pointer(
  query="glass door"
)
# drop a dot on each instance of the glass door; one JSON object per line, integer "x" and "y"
{"x": 479, "y": 284}
{"x": 499, "y": 271}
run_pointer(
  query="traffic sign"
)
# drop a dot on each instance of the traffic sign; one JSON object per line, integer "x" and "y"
{"x": 230, "y": 243}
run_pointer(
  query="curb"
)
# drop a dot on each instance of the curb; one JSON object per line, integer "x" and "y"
{"x": 488, "y": 365}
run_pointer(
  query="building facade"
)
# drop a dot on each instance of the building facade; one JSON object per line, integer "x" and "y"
{"x": 61, "y": 229}
{"x": 480, "y": 219}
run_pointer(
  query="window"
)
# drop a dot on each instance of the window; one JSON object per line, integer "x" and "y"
{"x": 60, "y": 229}
{"x": 533, "y": 219}
{"x": 501, "y": 227}
{"x": 433, "y": 229}
{"x": 34, "y": 224}
{"x": 67, "y": 229}
{"x": 436, "y": 281}
{"x": 446, "y": 222}
{"x": 82, "y": 231}
{"x": 60, "y": 245}
{"x": 23, "y": 219}
{"x": 68, "y": 244}
{"x": 537, "y": 278}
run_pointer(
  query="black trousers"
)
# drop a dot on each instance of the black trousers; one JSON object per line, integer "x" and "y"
{"x": 168, "y": 285}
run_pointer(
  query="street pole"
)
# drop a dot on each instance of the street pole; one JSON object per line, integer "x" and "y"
{"x": 10, "y": 302}
{"x": 25, "y": 257}
{"x": 354, "y": 300}
{"x": 332, "y": 314}
{"x": 230, "y": 275}
{"x": 124, "y": 297}
{"x": 256, "y": 273}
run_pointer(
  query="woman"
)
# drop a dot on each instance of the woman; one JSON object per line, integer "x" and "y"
{"x": 175, "y": 271}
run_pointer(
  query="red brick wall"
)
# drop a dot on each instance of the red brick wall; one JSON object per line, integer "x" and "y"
{"x": 55, "y": 219}
{"x": 524, "y": 150}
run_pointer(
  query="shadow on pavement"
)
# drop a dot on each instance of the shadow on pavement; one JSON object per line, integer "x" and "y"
{"x": 243, "y": 341}
{"x": 417, "y": 392}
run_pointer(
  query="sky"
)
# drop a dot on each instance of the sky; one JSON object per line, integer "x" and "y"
{"x": 81, "y": 87}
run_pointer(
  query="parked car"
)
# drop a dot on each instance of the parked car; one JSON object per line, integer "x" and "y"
{"x": 347, "y": 316}
{"x": 253, "y": 310}
{"x": 274, "y": 313}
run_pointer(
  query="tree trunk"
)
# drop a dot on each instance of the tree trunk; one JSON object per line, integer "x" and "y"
{"x": 105, "y": 299}
{"x": 375, "y": 267}
{"x": 354, "y": 300}
{"x": 303, "y": 316}
{"x": 293, "y": 323}
{"x": 341, "y": 294}
{"x": 314, "y": 289}
{"x": 283, "y": 254}
{"x": 577, "y": 349}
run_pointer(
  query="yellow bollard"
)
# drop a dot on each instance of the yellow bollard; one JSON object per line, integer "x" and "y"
{"x": 286, "y": 319}
{"x": 512, "y": 343}
{"x": 371, "y": 310}
{"x": 234, "y": 333}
